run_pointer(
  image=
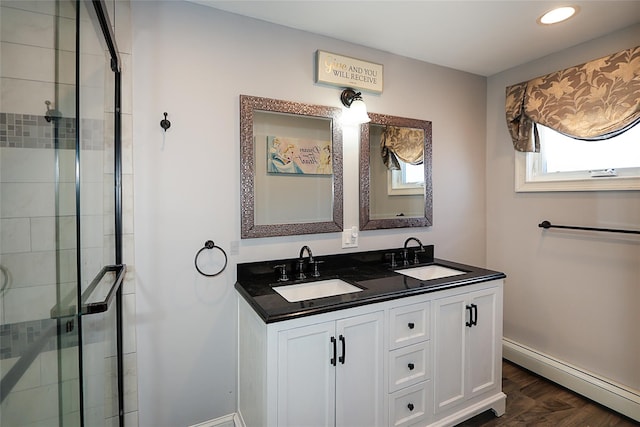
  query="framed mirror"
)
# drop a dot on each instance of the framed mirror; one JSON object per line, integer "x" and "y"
{"x": 395, "y": 173}
{"x": 291, "y": 168}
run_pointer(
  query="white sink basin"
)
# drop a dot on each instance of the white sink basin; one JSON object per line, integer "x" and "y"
{"x": 311, "y": 290}
{"x": 430, "y": 272}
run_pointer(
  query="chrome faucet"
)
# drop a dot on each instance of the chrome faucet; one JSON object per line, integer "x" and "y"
{"x": 301, "y": 274}
{"x": 405, "y": 252}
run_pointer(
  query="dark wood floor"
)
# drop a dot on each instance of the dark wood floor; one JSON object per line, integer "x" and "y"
{"x": 535, "y": 401}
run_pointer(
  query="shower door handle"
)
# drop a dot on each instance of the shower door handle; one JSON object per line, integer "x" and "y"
{"x": 103, "y": 304}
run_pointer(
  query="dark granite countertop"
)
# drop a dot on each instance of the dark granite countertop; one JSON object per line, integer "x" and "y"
{"x": 370, "y": 271}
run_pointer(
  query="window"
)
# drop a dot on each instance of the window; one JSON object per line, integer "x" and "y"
{"x": 567, "y": 164}
{"x": 408, "y": 180}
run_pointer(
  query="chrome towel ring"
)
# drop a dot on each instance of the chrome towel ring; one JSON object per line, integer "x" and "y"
{"x": 210, "y": 245}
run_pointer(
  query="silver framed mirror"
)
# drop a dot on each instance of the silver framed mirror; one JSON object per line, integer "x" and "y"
{"x": 291, "y": 168}
{"x": 395, "y": 193}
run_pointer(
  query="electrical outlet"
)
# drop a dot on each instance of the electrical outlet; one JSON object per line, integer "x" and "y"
{"x": 350, "y": 238}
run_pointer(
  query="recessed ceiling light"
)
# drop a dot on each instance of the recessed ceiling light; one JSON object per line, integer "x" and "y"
{"x": 558, "y": 14}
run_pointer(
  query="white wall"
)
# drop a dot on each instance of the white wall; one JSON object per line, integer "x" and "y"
{"x": 193, "y": 62}
{"x": 572, "y": 295}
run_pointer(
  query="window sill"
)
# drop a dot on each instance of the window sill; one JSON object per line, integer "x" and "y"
{"x": 524, "y": 182}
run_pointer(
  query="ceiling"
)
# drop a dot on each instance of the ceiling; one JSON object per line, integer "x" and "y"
{"x": 480, "y": 37}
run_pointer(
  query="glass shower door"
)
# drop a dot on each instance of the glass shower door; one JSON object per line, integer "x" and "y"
{"x": 58, "y": 229}
{"x": 39, "y": 363}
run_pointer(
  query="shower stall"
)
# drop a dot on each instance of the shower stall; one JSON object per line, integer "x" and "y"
{"x": 60, "y": 215}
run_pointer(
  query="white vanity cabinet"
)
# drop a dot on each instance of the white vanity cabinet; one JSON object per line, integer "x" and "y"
{"x": 410, "y": 361}
{"x": 324, "y": 370}
{"x": 467, "y": 351}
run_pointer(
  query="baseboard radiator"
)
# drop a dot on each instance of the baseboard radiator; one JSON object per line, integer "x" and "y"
{"x": 606, "y": 392}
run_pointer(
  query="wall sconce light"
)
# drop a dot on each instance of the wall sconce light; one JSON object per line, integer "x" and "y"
{"x": 357, "y": 110}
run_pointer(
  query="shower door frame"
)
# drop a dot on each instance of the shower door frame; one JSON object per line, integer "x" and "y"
{"x": 116, "y": 290}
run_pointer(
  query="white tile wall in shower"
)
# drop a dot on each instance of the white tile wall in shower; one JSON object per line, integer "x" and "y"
{"x": 26, "y": 27}
{"x": 108, "y": 203}
{"x": 66, "y": 63}
{"x": 92, "y": 169}
{"x": 127, "y": 204}
{"x": 18, "y": 408}
{"x": 70, "y": 389}
{"x": 92, "y": 100}
{"x": 27, "y": 97}
{"x": 127, "y": 103}
{"x": 27, "y": 199}
{"x": 28, "y": 303}
{"x": 94, "y": 66}
{"x": 31, "y": 268}
{"x": 130, "y": 382}
{"x": 32, "y": 23}
{"x": 14, "y": 235}
{"x": 43, "y": 233}
{"x": 127, "y": 145}
{"x": 91, "y": 230}
{"x": 66, "y": 100}
{"x": 20, "y": 165}
{"x": 68, "y": 360}
{"x": 67, "y": 159}
{"x": 28, "y": 62}
{"x": 66, "y": 198}
{"x": 31, "y": 378}
{"x": 129, "y": 285}
{"x": 129, "y": 323}
{"x": 93, "y": 259}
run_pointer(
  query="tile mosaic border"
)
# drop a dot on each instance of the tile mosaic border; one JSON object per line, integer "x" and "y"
{"x": 18, "y": 338}
{"x": 31, "y": 131}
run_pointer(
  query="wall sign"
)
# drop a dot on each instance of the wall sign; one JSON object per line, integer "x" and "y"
{"x": 343, "y": 71}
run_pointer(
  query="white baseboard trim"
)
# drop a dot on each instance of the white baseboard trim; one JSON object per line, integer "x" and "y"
{"x": 231, "y": 420}
{"x": 616, "y": 396}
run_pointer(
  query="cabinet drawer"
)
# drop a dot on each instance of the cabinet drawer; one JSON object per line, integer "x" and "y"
{"x": 408, "y": 325}
{"x": 410, "y": 405}
{"x": 409, "y": 365}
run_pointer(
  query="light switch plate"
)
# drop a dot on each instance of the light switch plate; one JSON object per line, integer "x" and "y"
{"x": 350, "y": 238}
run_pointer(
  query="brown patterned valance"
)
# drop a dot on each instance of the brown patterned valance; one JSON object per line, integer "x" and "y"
{"x": 406, "y": 144}
{"x": 595, "y": 100}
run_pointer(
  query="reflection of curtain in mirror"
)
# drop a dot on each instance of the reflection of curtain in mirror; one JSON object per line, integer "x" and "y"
{"x": 401, "y": 143}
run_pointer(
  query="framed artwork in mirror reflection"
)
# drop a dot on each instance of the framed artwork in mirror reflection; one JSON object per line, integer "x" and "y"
{"x": 298, "y": 156}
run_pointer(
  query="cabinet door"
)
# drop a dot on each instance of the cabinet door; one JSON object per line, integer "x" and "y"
{"x": 360, "y": 371}
{"x": 306, "y": 377}
{"x": 482, "y": 369}
{"x": 449, "y": 351}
